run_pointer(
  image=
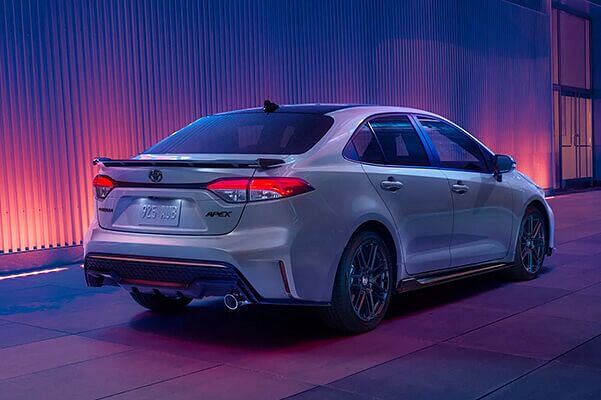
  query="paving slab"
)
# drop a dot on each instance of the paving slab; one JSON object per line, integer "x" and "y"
{"x": 53, "y": 353}
{"x": 439, "y": 372}
{"x": 12, "y": 334}
{"x": 531, "y": 335}
{"x": 587, "y": 354}
{"x": 101, "y": 377}
{"x": 324, "y": 361}
{"x": 574, "y": 306}
{"x": 220, "y": 383}
{"x": 557, "y": 381}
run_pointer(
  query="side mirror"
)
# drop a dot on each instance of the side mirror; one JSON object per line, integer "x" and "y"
{"x": 502, "y": 164}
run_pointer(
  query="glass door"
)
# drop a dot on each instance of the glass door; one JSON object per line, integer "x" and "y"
{"x": 573, "y": 133}
{"x": 572, "y": 104}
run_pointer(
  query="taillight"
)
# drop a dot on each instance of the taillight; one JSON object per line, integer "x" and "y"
{"x": 102, "y": 185}
{"x": 240, "y": 190}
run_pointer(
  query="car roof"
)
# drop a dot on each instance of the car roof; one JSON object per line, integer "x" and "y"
{"x": 315, "y": 108}
{"x": 327, "y": 109}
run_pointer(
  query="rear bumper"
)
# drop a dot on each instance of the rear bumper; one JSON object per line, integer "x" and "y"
{"x": 173, "y": 277}
{"x": 195, "y": 279}
{"x": 287, "y": 251}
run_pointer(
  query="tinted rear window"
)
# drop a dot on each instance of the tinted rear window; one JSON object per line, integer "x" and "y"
{"x": 252, "y": 133}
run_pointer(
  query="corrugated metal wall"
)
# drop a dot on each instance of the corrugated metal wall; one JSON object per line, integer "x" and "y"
{"x": 80, "y": 79}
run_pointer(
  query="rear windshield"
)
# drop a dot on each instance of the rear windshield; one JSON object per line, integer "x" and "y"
{"x": 251, "y": 133}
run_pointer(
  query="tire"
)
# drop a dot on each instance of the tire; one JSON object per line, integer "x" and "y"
{"x": 531, "y": 246}
{"x": 160, "y": 303}
{"x": 361, "y": 294}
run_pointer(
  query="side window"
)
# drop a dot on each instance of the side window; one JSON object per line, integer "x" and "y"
{"x": 455, "y": 148}
{"x": 399, "y": 140}
{"x": 364, "y": 147}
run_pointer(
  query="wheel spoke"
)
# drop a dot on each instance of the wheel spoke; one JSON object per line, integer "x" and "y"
{"x": 359, "y": 300}
{"x": 370, "y": 304}
{"x": 537, "y": 228}
{"x": 372, "y": 257}
{"x": 368, "y": 280}
{"x": 361, "y": 258}
{"x": 525, "y": 251}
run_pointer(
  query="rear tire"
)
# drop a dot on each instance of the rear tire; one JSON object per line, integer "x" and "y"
{"x": 363, "y": 285}
{"x": 160, "y": 303}
{"x": 531, "y": 246}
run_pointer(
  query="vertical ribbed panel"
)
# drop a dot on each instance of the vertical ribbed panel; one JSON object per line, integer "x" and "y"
{"x": 80, "y": 79}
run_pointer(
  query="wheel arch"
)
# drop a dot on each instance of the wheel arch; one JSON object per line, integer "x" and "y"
{"x": 538, "y": 204}
{"x": 385, "y": 233}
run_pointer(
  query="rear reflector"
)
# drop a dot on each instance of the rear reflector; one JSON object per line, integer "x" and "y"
{"x": 102, "y": 185}
{"x": 284, "y": 276}
{"x": 240, "y": 190}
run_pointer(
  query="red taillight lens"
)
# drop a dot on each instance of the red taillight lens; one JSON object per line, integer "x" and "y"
{"x": 275, "y": 188}
{"x": 240, "y": 190}
{"x": 102, "y": 185}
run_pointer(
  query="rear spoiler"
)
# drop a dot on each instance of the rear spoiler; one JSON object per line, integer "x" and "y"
{"x": 258, "y": 163}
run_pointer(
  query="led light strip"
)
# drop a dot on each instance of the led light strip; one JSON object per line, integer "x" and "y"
{"x": 33, "y": 273}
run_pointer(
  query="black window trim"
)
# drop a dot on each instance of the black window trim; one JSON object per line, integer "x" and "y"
{"x": 437, "y": 163}
{"x": 420, "y": 134}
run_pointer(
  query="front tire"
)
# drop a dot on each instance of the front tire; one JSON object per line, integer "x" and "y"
{"x": 363, "y": 285}
{"x": 531, "y": 246}
{"x": 159, "y": 303}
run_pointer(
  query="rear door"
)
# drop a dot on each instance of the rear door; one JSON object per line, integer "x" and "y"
{"x": 483, "y": 215}
{"x": 394, "y": 158}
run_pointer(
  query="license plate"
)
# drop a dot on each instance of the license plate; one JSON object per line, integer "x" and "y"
{"x": 159, "y": 212}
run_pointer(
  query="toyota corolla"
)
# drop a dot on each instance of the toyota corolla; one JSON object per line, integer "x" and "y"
{"x": 333, "y": 206}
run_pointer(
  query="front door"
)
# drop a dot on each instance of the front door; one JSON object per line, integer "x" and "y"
{"x": 483, "y": 217}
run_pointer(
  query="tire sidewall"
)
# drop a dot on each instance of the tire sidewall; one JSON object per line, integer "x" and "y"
{"x": 341, "y": 299}
{"x": 522, "y": 270}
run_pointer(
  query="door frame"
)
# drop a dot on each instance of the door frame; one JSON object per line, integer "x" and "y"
{"x": 564, "y": 90}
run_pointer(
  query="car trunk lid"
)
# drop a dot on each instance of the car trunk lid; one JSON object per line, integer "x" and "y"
{"x": 168, "y": 195}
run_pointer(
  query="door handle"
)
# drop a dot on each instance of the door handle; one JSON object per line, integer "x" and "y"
{"x": 460, "y": 188}
{"x": 391, "y": 185}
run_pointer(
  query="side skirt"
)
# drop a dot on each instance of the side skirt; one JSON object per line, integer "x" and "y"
{"x": 428, "y": 280}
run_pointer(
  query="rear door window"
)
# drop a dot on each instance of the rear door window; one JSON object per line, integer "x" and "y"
{"x": 399, "y": 141}
{"x": 247, "y": 133}
{"x": 364, "y": 147}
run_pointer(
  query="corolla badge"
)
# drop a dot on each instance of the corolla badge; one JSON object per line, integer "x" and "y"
{"x": 155, "y": 175}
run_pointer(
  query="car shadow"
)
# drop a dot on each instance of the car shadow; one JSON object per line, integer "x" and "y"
{"x": 252, "y": 326}
{"x": 271, "y": 327}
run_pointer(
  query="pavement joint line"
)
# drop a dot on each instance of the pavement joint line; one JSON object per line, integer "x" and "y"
{"x": 82, "y": 333}
{"x": 469, "y": 331}
{"x": 157, "y": 382}
{"x": 577, "y": 239}
{"x": 341, "y": 390}
{"x": 556, "y": 358}
{"x": 39, "y": 327}
{"x": 68, "y": 364}
{"x": 273, "y": 374}
{"x": 520, "y": 312}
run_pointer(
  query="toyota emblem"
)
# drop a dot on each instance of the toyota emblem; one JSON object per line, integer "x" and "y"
{"x": 155, "y": 175}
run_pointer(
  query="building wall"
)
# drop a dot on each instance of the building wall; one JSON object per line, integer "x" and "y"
{"x": 81, "y": 78}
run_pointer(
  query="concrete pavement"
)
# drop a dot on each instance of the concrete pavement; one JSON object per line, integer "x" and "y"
{"x": 482, "y": 338}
